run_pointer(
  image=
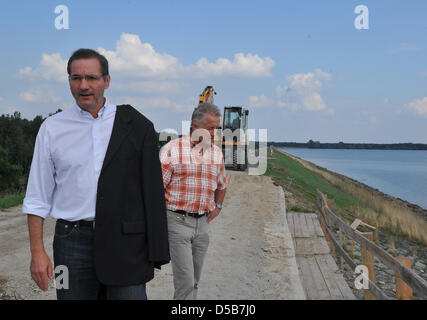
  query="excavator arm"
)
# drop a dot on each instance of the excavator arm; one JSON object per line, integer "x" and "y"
{"x": 207, "y": 95}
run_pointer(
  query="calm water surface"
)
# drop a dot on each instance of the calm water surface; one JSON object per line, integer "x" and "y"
{"x": 400, "y": 173}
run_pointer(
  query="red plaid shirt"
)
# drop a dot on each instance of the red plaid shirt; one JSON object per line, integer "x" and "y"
{"x": 191, "y": 174}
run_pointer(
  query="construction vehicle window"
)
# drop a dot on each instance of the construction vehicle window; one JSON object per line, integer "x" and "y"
{"x": 231, "y": 120}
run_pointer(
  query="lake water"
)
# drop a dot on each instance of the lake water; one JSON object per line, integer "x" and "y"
{"x": 399, "y": 173}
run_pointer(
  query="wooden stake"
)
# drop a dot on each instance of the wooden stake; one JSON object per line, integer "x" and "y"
{"x": 404, "y": 292}
{"x": 328, "y": 240}
{"x": 329, "y": 202}
{"x": 369, "y": 262}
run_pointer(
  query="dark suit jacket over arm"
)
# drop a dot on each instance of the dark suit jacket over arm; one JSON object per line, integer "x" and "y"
{"x": 131, "y": 236}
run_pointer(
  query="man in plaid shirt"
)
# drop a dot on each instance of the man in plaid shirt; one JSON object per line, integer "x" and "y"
{"x": 194, "y": 179}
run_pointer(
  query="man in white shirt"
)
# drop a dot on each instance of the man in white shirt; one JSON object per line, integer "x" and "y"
{"x": 97, "y": 160}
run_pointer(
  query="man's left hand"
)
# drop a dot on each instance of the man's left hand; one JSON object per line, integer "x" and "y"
{"x": 212, "y": 215}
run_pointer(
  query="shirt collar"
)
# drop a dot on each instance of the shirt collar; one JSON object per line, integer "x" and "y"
{"x": 106, "y": 109}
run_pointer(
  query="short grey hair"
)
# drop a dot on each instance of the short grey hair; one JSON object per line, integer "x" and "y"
{"x": 200, "y": 112}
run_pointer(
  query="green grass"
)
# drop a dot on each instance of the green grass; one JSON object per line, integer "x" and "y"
{"x": 287, "y": 169}
{"x": 299, "y": 209}
{"x": 11, "y": 200}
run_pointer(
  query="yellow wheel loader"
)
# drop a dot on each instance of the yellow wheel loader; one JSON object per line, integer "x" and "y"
{"x": 232, "y": 138}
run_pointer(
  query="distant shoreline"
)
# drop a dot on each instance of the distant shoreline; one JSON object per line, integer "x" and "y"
{"x": 341, "y": 145}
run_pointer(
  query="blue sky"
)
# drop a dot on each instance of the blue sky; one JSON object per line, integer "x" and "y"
{"x": 301, "y": 67}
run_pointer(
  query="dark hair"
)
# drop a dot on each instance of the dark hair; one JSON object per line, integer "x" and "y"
{"x": 88, "y": 54}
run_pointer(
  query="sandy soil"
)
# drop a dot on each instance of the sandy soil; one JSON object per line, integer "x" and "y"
{"x": 251, "y": 254}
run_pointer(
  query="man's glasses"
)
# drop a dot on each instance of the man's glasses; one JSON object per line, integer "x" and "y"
{"x": 89, "y": 78}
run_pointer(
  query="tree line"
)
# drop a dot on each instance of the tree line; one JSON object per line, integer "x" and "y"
{"x": 17, "y": 140}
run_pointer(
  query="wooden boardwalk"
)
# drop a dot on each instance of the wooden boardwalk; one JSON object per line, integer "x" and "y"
{"x": 320, "y": 275}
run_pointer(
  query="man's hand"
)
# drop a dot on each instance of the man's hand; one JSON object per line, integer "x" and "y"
{"x": 213, "y": 214}
{"x": 41, "y": 269}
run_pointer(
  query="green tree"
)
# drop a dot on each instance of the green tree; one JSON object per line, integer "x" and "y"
{"x": 9, "y": 173}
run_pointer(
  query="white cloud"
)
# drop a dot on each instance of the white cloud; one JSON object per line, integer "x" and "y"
{"x": 139, "y": 59}
{"x": 143, "y": 69}
{"x": 39, "y": 95}
{"x": 248, "y": 65}
{"x": 133, "y": 57}
{"x": 313, "y": 102}
{"x": 303, "y": 92}
{"x": 418, "y": 105}
{"x": 51, "y": 67}
{"x": 260, "y": 101}
{"x": 140, "y": 70}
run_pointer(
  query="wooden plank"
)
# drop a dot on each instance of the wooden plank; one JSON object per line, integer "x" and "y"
{"x": 308, "y": 246}
{"x": 303, "y": 224}
{"x": 312, "y": 279}
{"x": 329, "y": 276}
{"x": 301, "y": 247}
{"x": 306, "y": 278}
{"x": 317, "y": 227}
{"x": 319, "y": 281}
{"x": 310, "y": 225}
{"x": 340, "y": 282}
{"x": 320, "y": 246}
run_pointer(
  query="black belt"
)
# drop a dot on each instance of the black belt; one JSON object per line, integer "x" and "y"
{"x": 190, "y": 214}
{"x": 79, "y": 223}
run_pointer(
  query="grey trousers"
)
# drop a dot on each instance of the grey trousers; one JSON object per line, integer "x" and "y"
{"x": 188, "y": 244}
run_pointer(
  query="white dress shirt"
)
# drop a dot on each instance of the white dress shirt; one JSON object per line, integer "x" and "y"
{"x": 68, "y": 156}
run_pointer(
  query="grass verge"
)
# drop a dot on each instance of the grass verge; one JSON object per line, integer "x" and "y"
{"x": 351, "y": 199}
{"x": 11, "y": 200}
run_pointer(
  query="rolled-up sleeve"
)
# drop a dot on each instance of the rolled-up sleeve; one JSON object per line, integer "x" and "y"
{"x": 167, "y": 168}
{"x": 222, "y": 176}
{"x": 41, "y": 181}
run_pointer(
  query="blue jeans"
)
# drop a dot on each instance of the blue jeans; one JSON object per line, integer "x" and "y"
{"x": 73, "y": 252}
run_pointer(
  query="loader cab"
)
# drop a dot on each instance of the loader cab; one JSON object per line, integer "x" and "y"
{"x": 235, "y": 120}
